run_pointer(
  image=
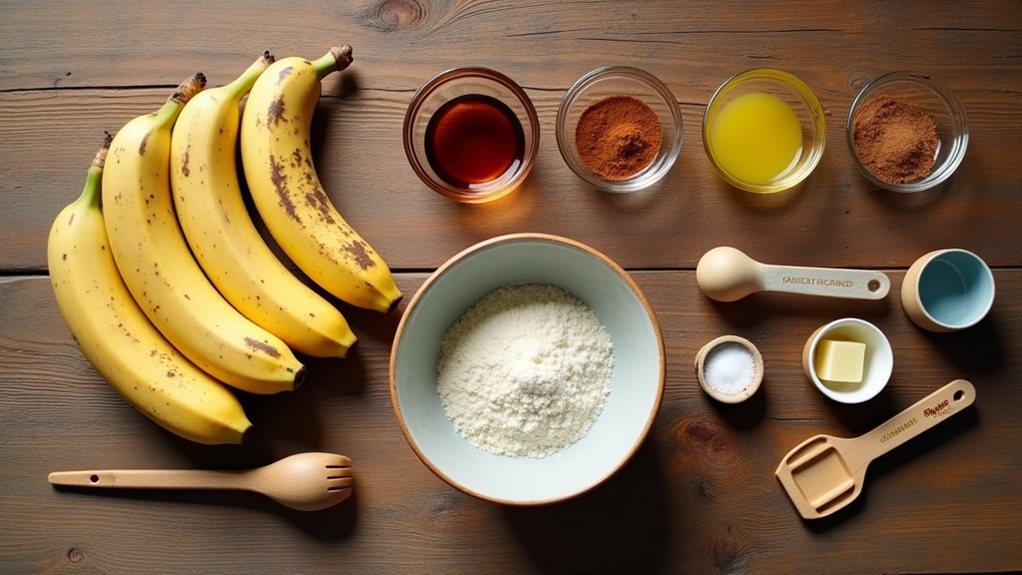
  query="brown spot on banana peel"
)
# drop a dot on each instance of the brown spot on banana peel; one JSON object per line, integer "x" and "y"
{"x": 284, "y": 73}
{"x": 142, "y": 145}
{"x": 263, "y": 347}
{"x": 280, "y": 184}
{"x": 185, "y": 170}
{"x": 317, "y": 199}
{"x": 359, "y": 253}
{"x": 300, "y": 156}
{"x": 314, "y": 194}
{"x": 275, "y": 113}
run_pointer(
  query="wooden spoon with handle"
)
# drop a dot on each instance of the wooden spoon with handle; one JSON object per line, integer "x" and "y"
{"x": 304, "y": 481}
{"x": 825, "y": 473}
{"x": 727, "y": 274}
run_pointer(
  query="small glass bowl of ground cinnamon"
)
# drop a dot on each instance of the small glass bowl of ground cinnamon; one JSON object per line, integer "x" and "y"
{"x": 619, "y": 128}
{"x": 906, "y": 132}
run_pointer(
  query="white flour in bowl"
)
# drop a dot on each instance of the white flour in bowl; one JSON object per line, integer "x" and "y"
{"x": 526, "y": 371}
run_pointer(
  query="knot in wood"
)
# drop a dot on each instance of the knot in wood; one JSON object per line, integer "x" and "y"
{"x": 75, "y": 555}
{"x": 726, "y": 550}
{"x": 394, "y": 15}
{"x": 710, "y": 442}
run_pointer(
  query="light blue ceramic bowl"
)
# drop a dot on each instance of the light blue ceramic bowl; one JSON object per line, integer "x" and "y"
{"x": 636, "y": 389}
{"x": 948, "y": 290}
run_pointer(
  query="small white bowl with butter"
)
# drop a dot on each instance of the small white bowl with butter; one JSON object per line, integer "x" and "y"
{"x": 849, "y": 360}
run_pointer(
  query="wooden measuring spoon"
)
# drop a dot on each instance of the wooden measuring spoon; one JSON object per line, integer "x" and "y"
{"x": 825, "y": 473}
{"x": 305, "y": 481}
{"x": 728, "y": 274}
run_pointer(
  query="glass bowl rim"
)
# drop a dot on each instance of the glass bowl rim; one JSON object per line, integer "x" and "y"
{"x": 531, "y": 123}
{"x": 805, "y": 93}
{"x": 819, "y": 122}
{"x": 955, "y": 108}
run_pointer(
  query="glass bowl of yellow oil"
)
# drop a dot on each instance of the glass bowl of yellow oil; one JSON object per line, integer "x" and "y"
{"x": 764, "y": 130}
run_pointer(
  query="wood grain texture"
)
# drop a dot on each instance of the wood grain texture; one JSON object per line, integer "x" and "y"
{"x": 699, "y": 496}
{"x": 51, "y": 127}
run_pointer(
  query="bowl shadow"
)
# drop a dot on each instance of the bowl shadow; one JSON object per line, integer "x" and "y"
{"x": 979, "y": 349}
{"x": 747, "y": 414}
{"x": 620, "y": 526}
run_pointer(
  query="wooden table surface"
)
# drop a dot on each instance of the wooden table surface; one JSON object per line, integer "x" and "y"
{"x": 699, "y": 496}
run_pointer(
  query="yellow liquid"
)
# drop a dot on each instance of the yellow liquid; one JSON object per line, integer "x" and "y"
{"x": 756, "y": 137}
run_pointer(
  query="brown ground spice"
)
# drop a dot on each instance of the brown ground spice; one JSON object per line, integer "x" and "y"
{"x": 618, "y": 136}
{"x": 896, "y": 141}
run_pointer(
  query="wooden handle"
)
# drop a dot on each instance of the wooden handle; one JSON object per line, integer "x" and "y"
{"x": 921, "y": 416}
{"x": 150, "y": 479}
{"x": 831, "y": 282}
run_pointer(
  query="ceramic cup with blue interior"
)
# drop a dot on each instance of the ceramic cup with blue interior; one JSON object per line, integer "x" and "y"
{"x": 948, "y": 290}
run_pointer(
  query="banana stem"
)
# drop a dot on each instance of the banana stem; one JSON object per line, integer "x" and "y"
{"x": 336, "y": 60}
{"x": 94, "y": 177}
{"x": 243, "y": 83}
{"x": 168, "y": 112}
{"x": 100, "y": 160}
{"x": 189, "y": 88}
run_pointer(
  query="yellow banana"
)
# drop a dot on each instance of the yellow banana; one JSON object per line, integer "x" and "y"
{"x": 117, "y": 338}
{"x": 161, "y": 273}
{"x": 215, "y": 221}
{"x": 287, "y": 192}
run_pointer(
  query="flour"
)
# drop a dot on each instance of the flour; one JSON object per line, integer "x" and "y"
{"x": 526, "y": 371}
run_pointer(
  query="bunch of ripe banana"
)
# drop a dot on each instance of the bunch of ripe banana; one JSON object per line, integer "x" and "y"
{"x": 163, "y": 278}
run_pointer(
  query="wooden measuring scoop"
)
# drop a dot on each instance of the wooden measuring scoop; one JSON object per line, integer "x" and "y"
{"x": 728, "y": 274}
{"x": 825, "y": 473}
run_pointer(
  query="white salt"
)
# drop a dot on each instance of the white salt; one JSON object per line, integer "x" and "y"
{"x": 729, "y": 368}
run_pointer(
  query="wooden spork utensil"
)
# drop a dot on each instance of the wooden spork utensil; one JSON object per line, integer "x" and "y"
{"x": 825, "y": 473}
{"x": 304, "y": 481}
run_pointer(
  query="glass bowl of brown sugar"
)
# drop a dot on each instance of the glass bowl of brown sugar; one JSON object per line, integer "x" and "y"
{"x": 619, "y": 128}
{"x": 907, "y": 132}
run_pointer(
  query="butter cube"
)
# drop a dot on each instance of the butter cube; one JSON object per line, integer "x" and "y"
{"x": 840, "y": 361}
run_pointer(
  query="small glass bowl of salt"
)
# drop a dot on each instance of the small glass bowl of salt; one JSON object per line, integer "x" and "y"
{"x": 729, "y": 368}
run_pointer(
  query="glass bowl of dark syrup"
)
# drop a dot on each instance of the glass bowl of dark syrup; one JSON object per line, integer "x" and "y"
{"x": 471, "y": 134}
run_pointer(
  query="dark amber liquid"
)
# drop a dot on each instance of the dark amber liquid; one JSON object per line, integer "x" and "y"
{"x": 473, "y": 140}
